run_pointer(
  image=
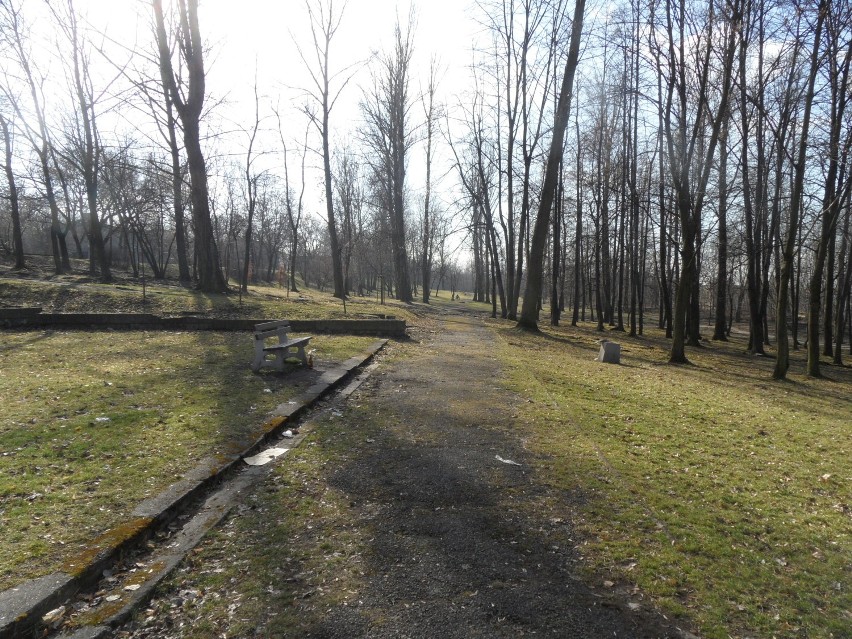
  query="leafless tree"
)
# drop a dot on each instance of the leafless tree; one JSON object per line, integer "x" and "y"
{"x": 85, "y": 151}
{"x": 691, "y": 147}
{"x": 324, "y": 23}
{"x": 532, "y": 294}
{"x": 37, "y": 132}
{"x": 14, "y": 208}
{"x": 387, "y": 133}
{"x": 836, "y": 20}
{"x": 432, "y": 115}
{"x": 782, "y": 360}
{"x": 189, "y": 106}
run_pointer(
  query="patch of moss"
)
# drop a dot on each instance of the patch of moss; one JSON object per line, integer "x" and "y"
{"x": 105, "y": 544}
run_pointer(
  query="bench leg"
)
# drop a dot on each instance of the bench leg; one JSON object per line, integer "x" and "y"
{"x": 261, "y": 361}
{"x": 257, "y": 362}
{"x": 301, "y": 355}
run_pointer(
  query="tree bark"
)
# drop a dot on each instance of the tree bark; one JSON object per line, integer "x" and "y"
{"x": 17, "y": 235}
{"x": 210, "y": 277}
{"x": 529, "y": 311}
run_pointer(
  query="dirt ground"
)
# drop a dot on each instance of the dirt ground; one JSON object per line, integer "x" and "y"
{"x": 453, "y": 547}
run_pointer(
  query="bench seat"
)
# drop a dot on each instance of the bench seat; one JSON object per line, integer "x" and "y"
{"x": 281, "y": 347}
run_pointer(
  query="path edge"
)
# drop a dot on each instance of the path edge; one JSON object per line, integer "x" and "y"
{"x": 23, "y": 606}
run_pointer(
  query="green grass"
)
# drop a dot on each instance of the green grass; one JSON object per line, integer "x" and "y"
{"x": 319, "y": 559}
{"x": 722, "y": 495}
{"x": 76, "y": 294}
{"x": 94, "y": 422}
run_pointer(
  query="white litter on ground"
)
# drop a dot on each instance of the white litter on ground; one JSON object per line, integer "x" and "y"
{"x": 265, "y": 456}
{"x": 506, "y": 461}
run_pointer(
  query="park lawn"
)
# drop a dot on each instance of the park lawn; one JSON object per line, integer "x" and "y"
{"x": 92, "y": 423}
{"x": 722, "y": 496}
{"x": 78, "y": 294}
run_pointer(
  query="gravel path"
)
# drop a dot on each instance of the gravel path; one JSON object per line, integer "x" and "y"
{"x": 453, "y": 549}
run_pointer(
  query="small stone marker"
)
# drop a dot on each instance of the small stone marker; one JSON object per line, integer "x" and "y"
{"x": 610, "y": 352}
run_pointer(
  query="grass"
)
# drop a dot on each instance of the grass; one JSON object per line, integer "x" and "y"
{"x": 92, "y": 423}
{"x": 239, "y": 589}
{"x": 714, "y": 493}
{"x": 75, "y": 294}
{"x": 722, "y": 495}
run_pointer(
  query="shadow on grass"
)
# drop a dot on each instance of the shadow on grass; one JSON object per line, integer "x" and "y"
{"x": 4, "y": 348}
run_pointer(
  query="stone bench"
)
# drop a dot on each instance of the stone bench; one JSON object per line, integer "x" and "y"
{"x": 280, "y": 348}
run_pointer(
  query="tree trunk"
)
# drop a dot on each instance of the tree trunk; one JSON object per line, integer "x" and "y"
{"x": 17, "y": 235}
{"x": 210, "y": 277}
{"x": 782, "y": 360}
{"x": 529, "y": 311}
{"x": 719, "y": 330}
{"x": 557, "y": 251}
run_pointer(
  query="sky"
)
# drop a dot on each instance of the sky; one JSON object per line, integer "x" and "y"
{"x": 248, "y": 37}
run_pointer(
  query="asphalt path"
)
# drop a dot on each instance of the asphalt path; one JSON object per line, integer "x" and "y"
{"x": 442, "y": 495}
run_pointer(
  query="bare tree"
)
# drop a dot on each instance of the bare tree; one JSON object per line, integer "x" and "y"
{"x": 476, "y": 174}
{"x": 782, "y": 360}
{"x": 532, "y": 294}
{"x": 691, "y": 148}
{"x": 838, "y": 60}
{"x": 387, "y": 134}
{"x": 324, "y": 23}
{"x": 17, "y": 235}
{"x": 85, "y": 152}
{"x": 431, "y": 112}
{"x": 251, "y": 184}
{"x": 38, "y": 133}
{"x": 293, "y": 205}
{"x": 189, "y": 107}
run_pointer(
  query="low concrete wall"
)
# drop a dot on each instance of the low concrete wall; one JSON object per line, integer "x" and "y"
{"x": 34, "y": 318}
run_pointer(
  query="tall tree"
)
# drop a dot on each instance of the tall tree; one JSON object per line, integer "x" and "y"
{"x": 431, "y": 113}
{"x": 324, "y": 23}
{"x": 17, "y": 235}
{"x": 838, "y": 60}
{"x": 720, "y": 329}
{"x": 86, "y": 151}
{"x": 251, "y": 183}
{"x": 782, "y": 359}
{"x": 38, "y": 133}
{"x": 189, "y": 107}
{"x": 529, "y": 312}
{"x": 294, "y": 206}
{"x": 387, "y": 133}
{"x": 691, "y": 148}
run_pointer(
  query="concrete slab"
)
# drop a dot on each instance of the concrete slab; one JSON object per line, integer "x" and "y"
{"x": 22, "y": 606}
{"x": 89, "y": 632}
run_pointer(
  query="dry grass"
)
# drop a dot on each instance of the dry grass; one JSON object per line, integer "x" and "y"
{"x": 93, "y": 422}
{"x": 75, "y": 294}
{"x": 722, "y": 495}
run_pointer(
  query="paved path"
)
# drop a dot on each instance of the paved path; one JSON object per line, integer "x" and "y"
{"x": 453, "y": 549}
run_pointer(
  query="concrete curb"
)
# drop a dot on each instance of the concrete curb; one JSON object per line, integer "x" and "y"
{"x": 22, "y": 607}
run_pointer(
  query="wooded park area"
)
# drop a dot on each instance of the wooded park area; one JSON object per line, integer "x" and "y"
{"x": 700, "y": 170}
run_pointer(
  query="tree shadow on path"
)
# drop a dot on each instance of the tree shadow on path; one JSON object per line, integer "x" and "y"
{"x": 456, "y": 549}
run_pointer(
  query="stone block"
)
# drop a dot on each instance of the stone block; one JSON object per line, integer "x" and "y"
{"x": 610, "y": 352}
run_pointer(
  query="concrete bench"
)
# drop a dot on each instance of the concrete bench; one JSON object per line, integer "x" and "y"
{"x": 280, "y": 347}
